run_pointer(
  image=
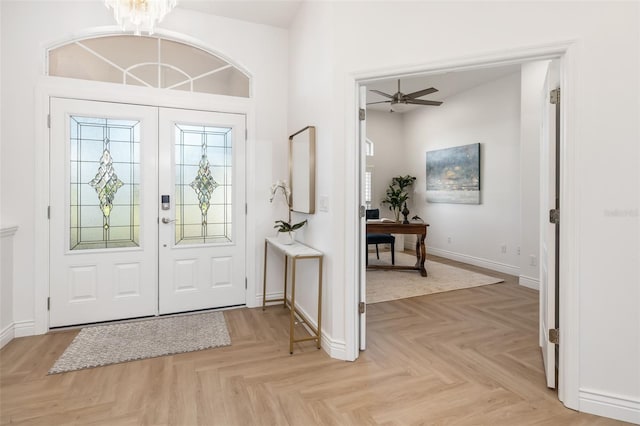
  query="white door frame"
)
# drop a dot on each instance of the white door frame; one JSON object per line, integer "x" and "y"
{"x": 49, "y": 87}
{"x": 566, "y": 51}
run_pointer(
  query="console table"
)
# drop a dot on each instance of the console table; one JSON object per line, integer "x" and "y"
{"x": 296, "y": 251}
{"x": 419, "y": 229}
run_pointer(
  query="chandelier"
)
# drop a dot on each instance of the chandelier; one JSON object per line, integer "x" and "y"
{"x": 140, "y": 15}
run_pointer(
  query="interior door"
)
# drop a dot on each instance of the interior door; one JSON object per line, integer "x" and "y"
{"x": 202, "y": 223}
{"x": 362, "y": 102}
{"x": 103, "y": 230}
{"x": 549, "y": 232}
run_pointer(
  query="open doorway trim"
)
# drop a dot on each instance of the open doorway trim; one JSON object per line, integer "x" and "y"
{"x": 568, "y": 388}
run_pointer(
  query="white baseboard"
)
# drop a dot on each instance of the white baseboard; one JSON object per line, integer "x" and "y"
{"x": 532, "y": 283}
{"x": 7, "y": 334}
{"x": 477, "y": 261}
{"x": 24, "y": 328}
{"x": 337, "y": 349}
{"x": 274, "y": 295}
{"x": 612, "y": 406}
{"x": 17, "y": 329}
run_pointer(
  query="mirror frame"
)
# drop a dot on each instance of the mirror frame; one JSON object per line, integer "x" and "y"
{"x": 303, "y": 194}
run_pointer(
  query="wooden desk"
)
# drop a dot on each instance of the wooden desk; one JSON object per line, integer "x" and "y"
{"x": 296, "y": 251}
{"x": 419, "y": 229}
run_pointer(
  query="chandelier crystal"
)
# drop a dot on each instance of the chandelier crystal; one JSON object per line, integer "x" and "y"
{"x": 140, "y": 15}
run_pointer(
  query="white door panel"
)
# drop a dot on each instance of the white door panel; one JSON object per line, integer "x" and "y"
{"x": 103, "y": 231}
{"x": 362, "y": 102}
{"x": 548, "y": 235}
{"x": 202, "y": 234}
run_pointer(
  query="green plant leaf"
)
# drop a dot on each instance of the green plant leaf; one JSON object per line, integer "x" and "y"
{"x": 298, "y": 225}
{"x": 283, "y": 226}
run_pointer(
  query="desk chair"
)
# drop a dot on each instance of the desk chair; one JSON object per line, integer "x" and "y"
{"x": 380, "y": 238}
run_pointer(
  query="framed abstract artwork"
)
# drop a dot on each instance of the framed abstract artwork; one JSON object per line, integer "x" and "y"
{"x": 453, "y": 175}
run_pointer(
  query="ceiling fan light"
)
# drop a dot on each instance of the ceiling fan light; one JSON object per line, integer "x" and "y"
{"x": 399, "y": 107}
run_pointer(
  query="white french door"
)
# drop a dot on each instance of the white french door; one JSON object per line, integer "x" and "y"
{"x": 109, "y": 165}
{"x": 202, "y": 233}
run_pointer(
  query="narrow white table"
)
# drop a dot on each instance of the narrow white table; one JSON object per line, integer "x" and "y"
{"x": 296, "y": 251}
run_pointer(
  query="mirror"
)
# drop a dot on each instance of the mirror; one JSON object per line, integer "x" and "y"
{"x": 302, "y": 170}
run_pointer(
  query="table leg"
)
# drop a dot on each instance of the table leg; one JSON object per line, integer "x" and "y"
{"x": 264, "y": 279}
{"x": 319, "y": 302}
{"x": 423, "y": 255}
{"x": 286, "y": 269}
{"x": 292, "y": 318}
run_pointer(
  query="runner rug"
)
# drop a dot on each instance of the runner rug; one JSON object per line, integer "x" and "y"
{"x": 110, "y": 344}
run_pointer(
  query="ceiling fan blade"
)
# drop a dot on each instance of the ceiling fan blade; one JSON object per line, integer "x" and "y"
{"x": 386, "y": 95}
{"x": 381, "y": 102}
{"x": 423, "y": 102}
{"x": 421, "y": 93}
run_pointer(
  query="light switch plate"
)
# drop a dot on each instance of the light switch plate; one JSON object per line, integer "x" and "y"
{"x": 323, "y": 200}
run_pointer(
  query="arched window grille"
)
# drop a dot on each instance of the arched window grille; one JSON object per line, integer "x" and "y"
{"x": 149, "y": 61}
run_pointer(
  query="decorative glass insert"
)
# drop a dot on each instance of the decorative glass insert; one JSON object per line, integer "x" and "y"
{"x": 149, "y": 61}
{"x": 368, "y": 186}
{"x": 204, "y": 158}
{"x": 105, "y": 183}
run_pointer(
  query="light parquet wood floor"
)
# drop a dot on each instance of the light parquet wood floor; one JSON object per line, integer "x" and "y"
{"x": 467, "y": 357}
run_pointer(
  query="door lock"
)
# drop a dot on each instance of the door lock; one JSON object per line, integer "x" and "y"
{"x": 167, "y": 220}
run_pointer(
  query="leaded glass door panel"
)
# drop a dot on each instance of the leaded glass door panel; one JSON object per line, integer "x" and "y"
{"x": 202, "y": 233}
{"x": 103, "y": 214}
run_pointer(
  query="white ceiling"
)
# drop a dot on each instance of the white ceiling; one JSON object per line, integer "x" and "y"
{"x": 448, "y": 84}
{"x": 277, "y": 13}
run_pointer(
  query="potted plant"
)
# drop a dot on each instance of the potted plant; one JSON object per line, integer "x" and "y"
{"x": 286, "y": 230}
{"x": 396, "y": 196}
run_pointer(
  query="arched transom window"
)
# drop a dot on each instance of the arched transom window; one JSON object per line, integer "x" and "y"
{"x": 148, "y": 61}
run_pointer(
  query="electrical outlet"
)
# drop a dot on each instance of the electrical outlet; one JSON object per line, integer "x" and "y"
{"x": 503, "y": 248}
{"x": 533, "y": 260}
{"x": 449, "y": 240}
{"x": 518, "y": 251}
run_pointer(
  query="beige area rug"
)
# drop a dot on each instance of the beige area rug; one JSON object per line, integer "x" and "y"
{"x": 384, "y": 285}
{"x": 111, "y": 344}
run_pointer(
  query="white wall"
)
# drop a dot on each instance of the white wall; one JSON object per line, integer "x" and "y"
{"x": 488, "y": 114}
{"x": 311, "y": 96}
{"x": 532, "y": 99}
{"x": 29, "y": 27}
{"x": 603, "y": 141}
{"x": 386, "y": 131}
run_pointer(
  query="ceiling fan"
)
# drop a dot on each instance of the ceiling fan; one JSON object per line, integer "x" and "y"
{"x": 400, "y": 98}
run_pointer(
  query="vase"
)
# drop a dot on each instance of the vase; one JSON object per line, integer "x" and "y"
{"x": 287, "y": 237}
{"x": 405, "y": 213}
{"x": 396, "y": 212}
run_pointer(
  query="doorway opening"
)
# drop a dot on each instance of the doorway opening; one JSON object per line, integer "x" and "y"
{"x": 415, "y": 121}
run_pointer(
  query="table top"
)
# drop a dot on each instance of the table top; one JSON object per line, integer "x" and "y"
{"x": 296, "y": 249}
{"x": 397, "y": 227}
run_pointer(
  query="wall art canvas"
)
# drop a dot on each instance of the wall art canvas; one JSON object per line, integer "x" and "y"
{"x": 453, "y": 175}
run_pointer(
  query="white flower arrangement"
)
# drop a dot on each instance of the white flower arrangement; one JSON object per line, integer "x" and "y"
{"x": 286, "y": 191}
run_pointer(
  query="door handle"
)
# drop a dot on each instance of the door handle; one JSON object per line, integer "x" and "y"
{"x": 167, "y": 220}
